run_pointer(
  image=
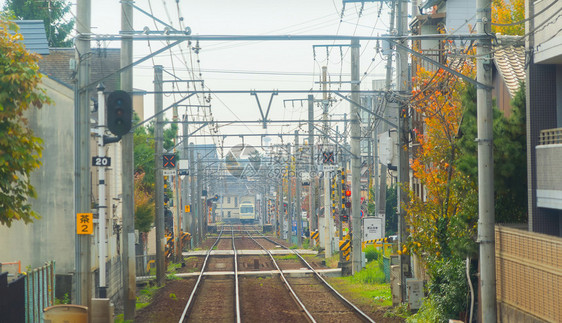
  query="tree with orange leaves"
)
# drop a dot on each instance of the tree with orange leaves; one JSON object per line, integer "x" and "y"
{"x": 441, "y": 223}
{"x": 505, "y": 14}
{"x": 432, "y": 218}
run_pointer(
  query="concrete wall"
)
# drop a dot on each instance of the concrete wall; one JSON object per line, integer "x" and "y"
{"x": 52, "y": 236}
{"x": 548, "y": 42}
{"x": 461, "y": 15}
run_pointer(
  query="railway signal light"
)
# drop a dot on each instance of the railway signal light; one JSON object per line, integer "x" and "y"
{"x": 347, "y": 193}
{"x": 119, "y": 112}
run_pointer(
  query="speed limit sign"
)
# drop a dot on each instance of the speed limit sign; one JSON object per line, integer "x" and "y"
{"x": 101, "y": 161}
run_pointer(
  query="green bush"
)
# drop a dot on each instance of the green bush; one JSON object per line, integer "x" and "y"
{"x": 448, "y": 287}
{"x": 373, "y": 273}
{"x": 372, "y": 253}
{"x": 429, "y": 312}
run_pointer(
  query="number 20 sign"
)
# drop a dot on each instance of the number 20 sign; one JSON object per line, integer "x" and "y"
{"x": 101, "y": 161}
{"x": 84, "y": 223}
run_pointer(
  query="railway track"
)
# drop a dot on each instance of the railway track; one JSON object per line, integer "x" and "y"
{"x": 218, "y": 297}
{"x": 226, "y": 308}
{"x": 310, "y": 294}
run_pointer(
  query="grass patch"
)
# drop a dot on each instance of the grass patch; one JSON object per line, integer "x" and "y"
{"x": 145, "y": 296}
{"x": 306, "y": 243}
{"x": 371, "y": 294}
{"x": 119, "y": 319}
{"x": 287, "y": 257}
{"x": 333, "y": 261}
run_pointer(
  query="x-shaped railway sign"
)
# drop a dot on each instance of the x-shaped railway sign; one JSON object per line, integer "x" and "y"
{"x": 328, "y": 157}
{"x": 169, "y": 161}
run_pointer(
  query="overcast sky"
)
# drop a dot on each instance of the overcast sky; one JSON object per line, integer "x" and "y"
{"x": 252, "y": 65}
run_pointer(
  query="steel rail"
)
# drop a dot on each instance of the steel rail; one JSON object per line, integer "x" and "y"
{"x": 282, "y": 275}
{"x": 236, "y": 282}
{"x": 350, "y": 305}
{"x": 199, "y": 278}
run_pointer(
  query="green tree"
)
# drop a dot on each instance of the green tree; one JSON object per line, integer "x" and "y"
{"x": 54, "y": 13}
{"x": 20, "y": 150}
{"x": 145, "y": 171}
{"x": 510, "y": 155}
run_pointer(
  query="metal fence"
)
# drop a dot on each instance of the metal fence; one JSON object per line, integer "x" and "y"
{"x": 12, "y": 294}
{"x": 39, "y": 291}
{"x": 24, "y": 296}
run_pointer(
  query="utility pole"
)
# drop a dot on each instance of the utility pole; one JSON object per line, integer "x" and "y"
{"x": 159, "y": 183}
{"x": 127, "y": 169}
{"x": 193, "y": 199}
{"x": 282, "y": 206}
{"x": 187, "y": 225}
{"x": 328, "y": 224}
{"x": 82, "y": 255}
{"x": 486, "y": 218}
{"x": 404, "y": 138}
{"x": 289, "y": 195}
{"x": 313, "y": 225}
{"x": 380, "y": 190}
{"x": 198, "y": 194}
{"x": 102, "y": 247}
{"x": 176, "y": 180}
{"x": 355, "y": 160}
{"x": 298, "y": 213}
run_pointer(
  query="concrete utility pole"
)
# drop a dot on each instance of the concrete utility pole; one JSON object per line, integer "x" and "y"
{"x": 355, "y": 160}
{"x": 298, "y": 213}
{"x": 177, "y": 217}
{"x": 328, "y": 223}
{"x": 282, "y": 207}
{"x": 82, "y": 256}
{"x": 159, "y": 181}
{"x": 403, "y": 137}
{"x": 127, "y": 169}
{"x": 486, "y": 218}
{"x": 193, "y": 199}
{"x": 187, "y": 225}
{"x": 380, "y": 192}
{"x": 102, "y": 247}
{"x": 313, "y": 224}
{"x": 200, "y": 206}
{"x": 289, "y": 195}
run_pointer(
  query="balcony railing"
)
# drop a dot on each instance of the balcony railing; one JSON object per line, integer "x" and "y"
{"x": 550, "y": 136}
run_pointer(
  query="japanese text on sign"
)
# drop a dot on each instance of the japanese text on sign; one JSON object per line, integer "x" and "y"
{"x": 84, "y": 223}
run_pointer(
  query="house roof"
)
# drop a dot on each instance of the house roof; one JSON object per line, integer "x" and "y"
{"x": 34, "y": 36}
{"x": 103, "y": 61}
{"x": 510, "y": 62}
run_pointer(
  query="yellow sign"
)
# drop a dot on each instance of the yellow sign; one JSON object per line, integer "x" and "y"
{"x": 187, "y": 208}
{"x": 84, "y": 223}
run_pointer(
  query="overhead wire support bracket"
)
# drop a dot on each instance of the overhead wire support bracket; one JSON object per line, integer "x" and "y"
{"x": 390, "y": 123}
{"x": 163, "y": 110}
{"x": 264, "y": 117}
{"x": 152, "y": 17}
{"x": 445, "y": 67}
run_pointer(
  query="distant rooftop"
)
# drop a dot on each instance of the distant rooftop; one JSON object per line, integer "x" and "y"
{"x": 34, "y": 36}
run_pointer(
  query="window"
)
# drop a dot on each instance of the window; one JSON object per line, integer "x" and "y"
{"x": 246, "y": 209}
{"x": 228, "y": 214}
{"x": 236, "y": 202}
{"x": 228, "y": 200}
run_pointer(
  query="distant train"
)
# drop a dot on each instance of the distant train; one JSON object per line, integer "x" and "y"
{"x": 247, "y": 212}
